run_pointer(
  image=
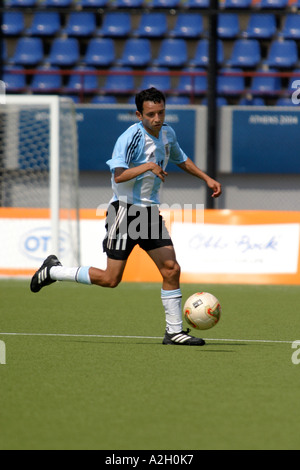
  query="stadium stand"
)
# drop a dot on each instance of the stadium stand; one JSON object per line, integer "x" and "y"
{"x": 150, "y": 37}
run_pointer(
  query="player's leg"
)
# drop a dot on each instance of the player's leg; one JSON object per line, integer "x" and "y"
{"x": 165, "y": 259}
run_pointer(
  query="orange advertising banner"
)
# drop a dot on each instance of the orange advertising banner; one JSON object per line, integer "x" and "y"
{"x": 236, "y": 247}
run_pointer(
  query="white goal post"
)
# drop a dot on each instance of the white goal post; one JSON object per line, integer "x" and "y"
{"x": 39, "y": 162}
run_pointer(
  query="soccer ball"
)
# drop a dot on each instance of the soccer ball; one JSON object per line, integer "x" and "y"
{"x": 202, "y": 310}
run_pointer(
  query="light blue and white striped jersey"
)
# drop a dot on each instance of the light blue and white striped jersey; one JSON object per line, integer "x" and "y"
{"x": 135, "y": 147}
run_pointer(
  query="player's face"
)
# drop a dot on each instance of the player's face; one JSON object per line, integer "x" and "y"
{"x": 153, "y": 117}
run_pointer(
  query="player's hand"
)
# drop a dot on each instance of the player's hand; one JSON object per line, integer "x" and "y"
{"x": 158, "y": 171}
{"x": 215, "y": 187}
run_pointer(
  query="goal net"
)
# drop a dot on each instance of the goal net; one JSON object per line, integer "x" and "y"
{"x": 39, "y": 174}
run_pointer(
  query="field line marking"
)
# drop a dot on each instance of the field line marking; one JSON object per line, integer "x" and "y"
{"x": 70, "y": 335}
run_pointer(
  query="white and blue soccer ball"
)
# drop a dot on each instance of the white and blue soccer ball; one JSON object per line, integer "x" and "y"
{"x": 202, "y": 310}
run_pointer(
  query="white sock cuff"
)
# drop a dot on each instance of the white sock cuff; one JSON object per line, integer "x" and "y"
{"x": 171, "y": 294}
{"x": 82, "y": 275}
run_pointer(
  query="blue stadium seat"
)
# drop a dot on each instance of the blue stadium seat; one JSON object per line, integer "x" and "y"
{"x": 127, "y": 3}
{"x": 251, "y": 101}
{"x": 161, "y": 82}
{"x": 191, "y": 4}
{"x": 13, "y": 23}
{"x": 242, "y": 4}
{"x": 80, "y": 24}
{"x": 15, "y": 83}
{"x": 58, "y": 3}
{"x": 100, "y": 52}
{"x": 261, "y": 26}
{"x": 46, "y": 82}
{"x": 28, "y": 52}
{"x": 163, "y": 3}
{"x": 228, "y": 25}
{"x": 44, "y": 23}
{"x": 20, "y": 3}
{"x": 115, "y": 24}
{"x": 3, "y": 51}
{"x": 178, "y": 100}
{"x": 78, "y": 82}
{"x": 64, "y": 52}
{"x": 104, "y": 99}
{"x": 188, "y": 84}
{"x": 284, "y": 102}
{"x": 291, "y": 29}
{"x": 282, "y": 54}
{"x": 265, "y": 85}
{"x": 188, "y": 25}
{"x": 230, "y": 85}
{"x": 120, "y": 83}
{"x": 200, "y": 58}
{"x": 220, "y": 101}
{"x": 172, "y": 53}
{"x": 273, "y": 4}
{"x": 152, "y": 25}
{"x": 245, "y": 53}
{"x": 136, "y": 53}
{"x": 92, "y": 3}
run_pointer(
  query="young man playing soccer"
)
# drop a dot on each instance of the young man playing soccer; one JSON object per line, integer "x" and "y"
{"x": 138, "y": 168}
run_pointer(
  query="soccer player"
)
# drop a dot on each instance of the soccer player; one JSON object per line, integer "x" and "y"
{"x": 138, "y": 167}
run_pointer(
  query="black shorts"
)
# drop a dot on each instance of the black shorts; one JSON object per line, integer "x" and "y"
{"x": 128, "y": 225}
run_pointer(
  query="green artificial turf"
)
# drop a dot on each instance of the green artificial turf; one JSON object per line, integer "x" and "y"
{"x": 91, "y": 372}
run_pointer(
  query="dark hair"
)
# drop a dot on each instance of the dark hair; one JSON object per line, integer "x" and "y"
{"x": 152, "y": 94}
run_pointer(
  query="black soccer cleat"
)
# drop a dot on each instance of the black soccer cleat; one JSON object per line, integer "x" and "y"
{"x": 182, "y": 339}
{"x": 42, "y": 277}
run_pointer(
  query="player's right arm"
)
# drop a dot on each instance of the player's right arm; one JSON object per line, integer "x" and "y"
{"x": 126, "y": 174}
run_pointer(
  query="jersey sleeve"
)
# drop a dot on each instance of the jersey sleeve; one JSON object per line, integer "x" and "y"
{"x": 126, "y": 147}
{"x": 177, "y": 155}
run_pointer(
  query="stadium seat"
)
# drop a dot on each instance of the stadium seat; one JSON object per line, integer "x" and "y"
{"x": 104, "y": 99}
{"x": 3, "y": 51}
{"x": 78, "y": 82}
{"x": 136, "y": 53}
{"x": 273, "y": 4}
{"x": 251, "y": 101}
{"x": 282, "y": 54}
{"x": 44, "y": 24}
{"x": 115, "y": 24}
{"x": 46, "y": 82}
{"x": 228, "y": 25}
{"x": 190, "y": 4}
{"x": 291, "y": 29}
{"x": 172, "y": 53}
{"x": 28, "y": 52}
{"x": 260, "y": 26}
{"x": 128, "y": 3}
{"x": 20, "y": 3}
{"x": 152, "y": 25}
{"x": 201, "y": 55}
{"x": 12, "y": 23}
{"x": 163, "y": 3}
{"x": 245, "y": 53}
{"x": 188, "y": 25}
{"x": 58, "y": 3}
{"x": 284, "y": 102}
{"x": 265, "y": 85}
{"x": 64, "y": 52}
{"x": 100, "y": 52}
{"x": 161, "y": 82}
{"x": 243, "y": 4}
{"x": 192, "y": 84}
{"x": 15, "y": 83}
{"x": 119, "y": 83}
{"x": 178, "y": 100}
{"x": 92, "y": 3}
{"x": 220, "y": 101}
{"x": 80, "y": 24}
{"x": 230, "y": 85}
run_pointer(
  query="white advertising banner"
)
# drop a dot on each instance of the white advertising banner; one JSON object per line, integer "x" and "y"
{"x": 237, "y": 249}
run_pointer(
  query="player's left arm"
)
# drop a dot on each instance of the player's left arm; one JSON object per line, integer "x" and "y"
{"x": 190, "y": 167}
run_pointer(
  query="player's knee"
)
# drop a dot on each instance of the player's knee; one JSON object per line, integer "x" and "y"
{"x": 171, "y": 270}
